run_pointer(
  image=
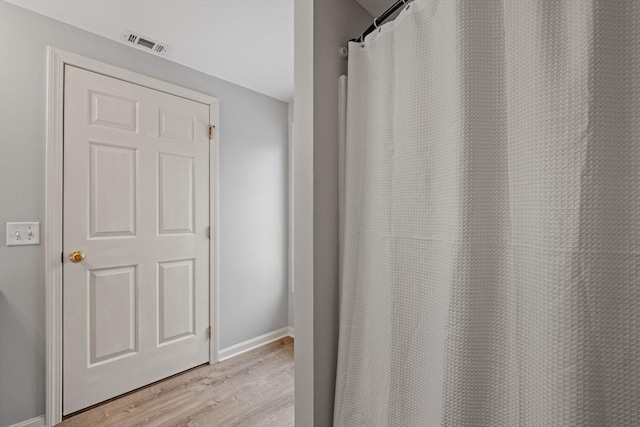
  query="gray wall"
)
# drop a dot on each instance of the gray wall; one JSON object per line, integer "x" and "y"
{"x": 291, "y": 211}
{"x": 334, "y": 23}
{"x": 303, "y": 211}
{"x": 253, "y": 197}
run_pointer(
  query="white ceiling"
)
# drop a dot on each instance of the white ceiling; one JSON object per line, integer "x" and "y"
{"x": 376, "y": 7}
{"x": 247, "y": 42}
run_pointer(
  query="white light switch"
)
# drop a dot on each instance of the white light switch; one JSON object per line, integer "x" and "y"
{"x": 23, "y": 233}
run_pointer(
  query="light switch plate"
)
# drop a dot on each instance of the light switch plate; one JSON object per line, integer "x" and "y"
{"x": 23, "y": 233}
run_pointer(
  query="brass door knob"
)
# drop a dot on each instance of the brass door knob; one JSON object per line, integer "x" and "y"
{"x": 76, "y": 256}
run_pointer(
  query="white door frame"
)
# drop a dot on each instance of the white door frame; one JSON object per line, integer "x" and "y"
{"x": 57, "y": 59}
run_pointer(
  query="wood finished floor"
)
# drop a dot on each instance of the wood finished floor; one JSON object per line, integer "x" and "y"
{"x": 252, "y": 389}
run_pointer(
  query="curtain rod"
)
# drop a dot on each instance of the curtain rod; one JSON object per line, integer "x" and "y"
{"x": 377, "y": 21}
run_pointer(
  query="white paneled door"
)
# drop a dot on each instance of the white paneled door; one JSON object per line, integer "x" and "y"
{"x": 136, "y": 205}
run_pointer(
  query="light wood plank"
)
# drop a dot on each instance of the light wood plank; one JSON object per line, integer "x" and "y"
{"x": 252, "y": 389}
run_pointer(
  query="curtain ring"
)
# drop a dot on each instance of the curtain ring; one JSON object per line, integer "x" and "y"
{"x": 374, "y": 23}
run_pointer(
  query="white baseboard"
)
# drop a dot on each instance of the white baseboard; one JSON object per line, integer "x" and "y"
{"x": 291, "y": 331}
{"x": 248, "y": 345}
{"x": 33, "y": 422}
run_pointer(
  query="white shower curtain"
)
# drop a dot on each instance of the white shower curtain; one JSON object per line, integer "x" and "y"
{"x": 492, "y": 217}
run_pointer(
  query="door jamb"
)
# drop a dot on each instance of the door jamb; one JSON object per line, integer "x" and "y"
{"x": 56, "y": 61}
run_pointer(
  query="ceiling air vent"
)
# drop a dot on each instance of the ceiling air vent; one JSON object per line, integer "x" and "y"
{"x": 144, "y": 42}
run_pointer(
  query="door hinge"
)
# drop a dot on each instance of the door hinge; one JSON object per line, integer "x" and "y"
{"x": 211, "y": 127}
{"x": 209, "y": 332}
{"x": 209, "y": 232}
{"x": 62, "y": 257}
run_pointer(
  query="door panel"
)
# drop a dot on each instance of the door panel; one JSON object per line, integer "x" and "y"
{"x": 177, "y": 126}
{"x": 112, "y": 111}
{"x": 175, "y": 193}
{"x": 176, "y": 303}
{"x": 136, "y": 202}
{"x": 112, "y": 192}
{"x": 113, "y": 329}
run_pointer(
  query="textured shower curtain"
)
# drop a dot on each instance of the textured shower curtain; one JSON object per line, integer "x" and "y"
{"x": 491, "y": 269}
